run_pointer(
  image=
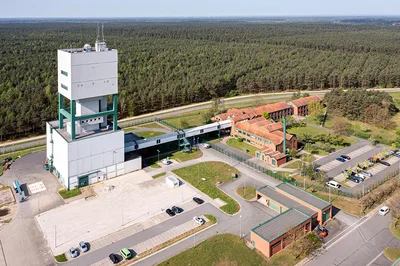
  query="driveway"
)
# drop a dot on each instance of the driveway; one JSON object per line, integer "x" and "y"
{"x": 361, "y": 245}
{"x": 23, "y": 232}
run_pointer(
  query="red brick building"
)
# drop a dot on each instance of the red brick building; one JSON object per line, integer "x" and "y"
{"x": 300, "y": 106}
{"x": 276, "y": 111}
{"x": 297, "y": 210}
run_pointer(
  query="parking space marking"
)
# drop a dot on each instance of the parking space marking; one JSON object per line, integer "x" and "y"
{"x": 360, "y": 151}
{"x": 37, "y": 187}
{"x": 334, "y": 163}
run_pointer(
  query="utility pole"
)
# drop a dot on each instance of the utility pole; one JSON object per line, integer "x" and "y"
{"x": 158, "y": 158}
{"x": 329, "y": 194}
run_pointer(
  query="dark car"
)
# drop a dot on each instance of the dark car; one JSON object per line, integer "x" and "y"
{"x": 340, "y": 159}
{"x": 169, "y": 212}
{"x": 176, "y": 209}
{"x": 114, "y": 258}
{"x": 355, "y": 179}
{"x": 385, "y": 163}
{"x": 345, "y": 157}
{"x": 198, "y": 200}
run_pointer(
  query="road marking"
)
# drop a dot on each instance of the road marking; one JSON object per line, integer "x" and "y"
{"x": 348, "y": 232}
{"x": 374, "y": 259}
{"x": 343, "y": 231}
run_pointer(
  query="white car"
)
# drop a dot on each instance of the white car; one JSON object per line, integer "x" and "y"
{"x": 384, "y": 210}
{"x": 333, "y": 184}
{"x": 198, "y": 220}
{"x": 166, "y": 161}
{"x": 206, "y": 145}
{"x": 367, "y": 173}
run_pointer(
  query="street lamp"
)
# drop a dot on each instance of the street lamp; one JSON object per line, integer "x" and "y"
{"x": 240, "y": 226}
{"x": 158, "y": 158}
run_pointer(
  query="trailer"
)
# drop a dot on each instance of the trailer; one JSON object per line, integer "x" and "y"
{"x": 172, "y": 181}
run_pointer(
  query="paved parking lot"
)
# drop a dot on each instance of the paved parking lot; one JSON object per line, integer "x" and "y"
{"x": 120, "y": 203}
{"x": 334, "y": 163}
{"x": 373, "y": 170}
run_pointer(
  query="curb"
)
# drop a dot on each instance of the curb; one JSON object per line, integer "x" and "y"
{"x": 176, "y": 244}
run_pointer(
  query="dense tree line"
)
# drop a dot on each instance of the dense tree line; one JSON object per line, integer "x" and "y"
{"x": 162, "y": 65}
{"x": 374, "y": 107}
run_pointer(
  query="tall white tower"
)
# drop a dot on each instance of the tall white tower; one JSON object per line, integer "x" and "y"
{"x": 83, "y": 145}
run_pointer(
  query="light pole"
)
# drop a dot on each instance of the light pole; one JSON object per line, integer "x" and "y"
{"x": 198, "y": 174}
{"x": 240, "y": 226}
{"x": 198, "y": 141}
{"x": 304, "y": 183}
{"x": 158, "y": 158}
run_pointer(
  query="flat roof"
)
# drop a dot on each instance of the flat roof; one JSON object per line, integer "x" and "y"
{"x": 304, "y": 196}
{"x": 280, "y": 224}
{"x": 285, "y": 201}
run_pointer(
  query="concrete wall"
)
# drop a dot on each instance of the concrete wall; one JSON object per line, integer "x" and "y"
{"x": 259, "y": 243}
{"x": 60, "y": 157}
{"x": 133, "y": 165}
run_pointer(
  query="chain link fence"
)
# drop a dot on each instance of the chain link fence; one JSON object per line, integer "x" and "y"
{"x": 314, "y": 187}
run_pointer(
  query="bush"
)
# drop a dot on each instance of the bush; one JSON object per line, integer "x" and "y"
{"x": 65, "y": 194}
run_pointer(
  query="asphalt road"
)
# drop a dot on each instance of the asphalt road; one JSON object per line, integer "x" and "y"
{"x": 361, "y": 245}
{"x": 18, "y": 145}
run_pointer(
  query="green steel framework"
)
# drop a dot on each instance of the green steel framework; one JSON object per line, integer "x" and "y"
{"x": 62, "y": 112}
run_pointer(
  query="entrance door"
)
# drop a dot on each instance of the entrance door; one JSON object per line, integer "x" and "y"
{"x": 83, "y": 181}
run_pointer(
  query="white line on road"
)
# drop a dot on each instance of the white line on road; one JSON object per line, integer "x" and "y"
{"x": 374, "y": 259}
{"x": 348, "y": 232}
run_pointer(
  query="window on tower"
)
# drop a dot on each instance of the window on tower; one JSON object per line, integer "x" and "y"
{"x": 64, "y": 73}
{"x": 64, "y": 86}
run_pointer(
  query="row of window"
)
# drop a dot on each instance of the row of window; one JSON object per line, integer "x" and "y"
{"x": 90, "y": 120}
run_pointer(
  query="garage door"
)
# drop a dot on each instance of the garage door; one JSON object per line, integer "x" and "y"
{"x": 326, "y": 215}
{"x": 275, "y": 248}
{"x": 274, "y": 206}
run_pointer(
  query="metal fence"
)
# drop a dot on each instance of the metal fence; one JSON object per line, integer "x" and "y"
{"x": 307, "y": 185}
{"x": 22, "y": 146}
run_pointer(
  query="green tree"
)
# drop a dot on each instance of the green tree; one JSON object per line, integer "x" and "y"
{"x": 184, "y": 124}
{"x": 292, "y": 153}
{"x": 266, "y": 115}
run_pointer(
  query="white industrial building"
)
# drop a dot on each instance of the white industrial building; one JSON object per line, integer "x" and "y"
{"x": 83, "y": 147}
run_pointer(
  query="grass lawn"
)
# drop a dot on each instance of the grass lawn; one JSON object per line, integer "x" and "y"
{"x": 392, "y": 253}
{"x": 192, "y": 120}
{"x": 293, "y": 165}
{"x": 315, "y": 131}
{"x": 159, "y": 175}
{"x": 213, "y": 172}
{"x": 235, "y": 143}
{"x": 16, "y": 154}
{"x": 148, "y": 134}
{"x": 248, "y": 193}
{"x": 128, "y": 129}
{"x": 211, "y": 217}
{"x": 151, "y": 125}
{"x": 358, "y": 128}
{"x": 61, "y": 258}
{"x": 349, "y": 205}
{"x": 395, "y": 231}
{"x": 183, "y": 156}
{"x": 223, "y": 249}
{"x": 308, "y": 158}
{"x": 154, "y": 165}
{"x": 214, "y": 141}
{"x": 65, "y": 194}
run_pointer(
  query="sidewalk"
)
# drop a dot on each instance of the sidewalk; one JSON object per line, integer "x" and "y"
{"x": 157, "y": 240}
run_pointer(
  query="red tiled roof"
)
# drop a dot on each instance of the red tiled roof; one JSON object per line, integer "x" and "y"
{"x": 275, "y": 154}
{"x": 271, "y": 108}
{"x": 306, "y": 100}
{"x": 260, "y": 127}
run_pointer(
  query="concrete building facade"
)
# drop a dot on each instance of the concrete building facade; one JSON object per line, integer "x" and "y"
{"x": 83, "y": 146}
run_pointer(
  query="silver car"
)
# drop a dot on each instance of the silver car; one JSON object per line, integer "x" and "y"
{"x": 83, "y": 246}
{"x": 73, "y": 252}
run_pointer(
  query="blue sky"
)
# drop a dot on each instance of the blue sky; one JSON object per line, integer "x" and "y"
{"x": 191, "y": 8}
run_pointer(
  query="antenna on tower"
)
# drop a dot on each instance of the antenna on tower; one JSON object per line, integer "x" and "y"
{"x": 98, "y": 32}
{"x": 102, "y": 31}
